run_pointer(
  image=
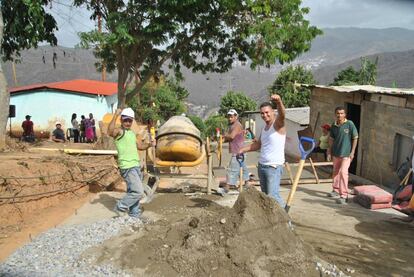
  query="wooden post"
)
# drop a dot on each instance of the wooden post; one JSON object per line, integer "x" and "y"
{"x": 209, "y": 166}
{"x": 241, "y": 179}
{"x": 289, "y": 171}
{"x": 314, "y": 171}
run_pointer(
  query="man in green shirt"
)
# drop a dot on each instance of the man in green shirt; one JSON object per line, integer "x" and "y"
{"x": 128, "y": 161}
{"x": 342, "y": 144}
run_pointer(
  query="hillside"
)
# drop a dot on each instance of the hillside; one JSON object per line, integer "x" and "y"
{"x": 393, "y": 67}
{"x": 338, "y": 45}
{"x": 334, "y": 47}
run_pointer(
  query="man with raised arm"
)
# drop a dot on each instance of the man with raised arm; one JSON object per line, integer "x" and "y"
{"x": 127, "y": 146}
{"x": 271, "y": 143}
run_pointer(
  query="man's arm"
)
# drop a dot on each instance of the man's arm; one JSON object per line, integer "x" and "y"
{"x": 329, "y": 150}
{"x": 57, "y": 140}
{"x": 251, "y": 147}
{"x": 230, "y": 136}
{"x": 354, "y": 140}
{"x": 112, "y": 131}
{"x": 354, "y": 145}
{"x": 281, "y": 113}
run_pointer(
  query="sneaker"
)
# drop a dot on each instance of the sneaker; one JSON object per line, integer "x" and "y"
{"x": 341, "y": 201}
{"x": 247, "y": 186}
{"x": 222, "y": 191}
{"x": 333, "y": 194}
{"x": 119, "y": 212}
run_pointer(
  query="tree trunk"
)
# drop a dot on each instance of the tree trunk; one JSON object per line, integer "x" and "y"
{"x": 4, "y": 96}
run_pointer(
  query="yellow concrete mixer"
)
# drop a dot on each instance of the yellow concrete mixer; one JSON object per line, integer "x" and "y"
{"x": 179, "y": 143}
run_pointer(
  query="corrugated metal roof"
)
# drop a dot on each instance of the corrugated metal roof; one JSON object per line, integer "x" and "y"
{"x": 298, "y": 115}
{"x": 80, "y": 86}
{"x": 364, "y": 88}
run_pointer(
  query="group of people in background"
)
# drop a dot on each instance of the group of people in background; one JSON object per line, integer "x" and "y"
{"x": 83, "y": 130}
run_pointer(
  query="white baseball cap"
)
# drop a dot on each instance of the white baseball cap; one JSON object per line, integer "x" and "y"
{"x": 58, "y": 123}
{"x": 128, "y": 112}
{"x": 232, "y": 112}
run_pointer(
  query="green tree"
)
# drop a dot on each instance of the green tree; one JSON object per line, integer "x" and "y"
{"x": 285, "y": 86}
{"x": 367, "y": 75}
{"x": 160, "y": 101}
{"x": 198, "y": 122}
{"x": 138, "y": 37}
{"x": 23, "y": 24}
{"x": 238, "y": 101}
{"x": 368, "y": 72}
{"x": 213, "y": 122}
{"x": 348, "y": 76}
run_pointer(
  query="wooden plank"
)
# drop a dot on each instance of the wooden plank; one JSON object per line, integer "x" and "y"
{"x": 306, "y": 181}
{"x": 306, "y": 164}
{"x": 314, "y": 171}
{"x": 289, "y": 171}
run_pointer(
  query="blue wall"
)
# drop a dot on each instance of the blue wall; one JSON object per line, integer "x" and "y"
{"x": 48, "y": 106}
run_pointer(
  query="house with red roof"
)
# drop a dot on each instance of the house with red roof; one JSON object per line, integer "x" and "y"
{"x": 51, "y": 102}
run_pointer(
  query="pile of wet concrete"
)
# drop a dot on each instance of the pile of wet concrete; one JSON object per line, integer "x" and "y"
{"x": 254, "y": 238}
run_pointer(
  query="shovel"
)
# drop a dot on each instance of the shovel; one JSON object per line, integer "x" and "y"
{"x": 240, "y": 160}
{"x": 303, "y": 154}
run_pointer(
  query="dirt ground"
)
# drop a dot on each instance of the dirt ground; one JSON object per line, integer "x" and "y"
{"x": 41, "y": 188}
{"x": 373, "y": 243}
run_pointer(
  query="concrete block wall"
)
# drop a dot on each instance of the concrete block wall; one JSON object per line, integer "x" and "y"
{"x": 382, "y": 123}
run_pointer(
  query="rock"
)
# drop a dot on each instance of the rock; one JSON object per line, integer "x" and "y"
{"x": 194, "y": 222}
{"x": 223, "y": 221}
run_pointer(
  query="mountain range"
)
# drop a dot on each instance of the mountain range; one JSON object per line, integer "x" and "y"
{"x": 336, "y": 49}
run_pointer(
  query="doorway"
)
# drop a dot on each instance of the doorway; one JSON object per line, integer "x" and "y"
{"x": 354, "y": 114}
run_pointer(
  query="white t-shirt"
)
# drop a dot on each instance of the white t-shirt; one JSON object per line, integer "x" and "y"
{"x": 272, "y": 151}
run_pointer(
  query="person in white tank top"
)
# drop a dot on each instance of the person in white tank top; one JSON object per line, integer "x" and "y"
{"x": 271, "y": 144}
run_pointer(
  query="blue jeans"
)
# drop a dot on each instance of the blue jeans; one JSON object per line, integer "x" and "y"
{"x": 233, "y": 171}
{"x": 135, "y": 191}
{"x": 270, "y": 181}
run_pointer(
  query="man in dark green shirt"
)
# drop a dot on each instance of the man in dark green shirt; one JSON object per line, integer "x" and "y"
{"x": 342, "y": 144}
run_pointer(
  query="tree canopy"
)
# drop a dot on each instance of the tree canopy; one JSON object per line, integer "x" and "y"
{"x": 284, "y": 85}
{"x": 238, "y": 101}
{"x": 159, "y": 100}
{"x": 213, "y": 122}
{"x": 198, "y": 122}
{"x": 366, "y": 75}
{"x": 139, "y": 37}
{"x": 26, "y": 23}
{"x": 23, "y": 24}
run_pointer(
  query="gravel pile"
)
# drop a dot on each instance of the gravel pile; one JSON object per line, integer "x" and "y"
{"x": 58, "y": 251}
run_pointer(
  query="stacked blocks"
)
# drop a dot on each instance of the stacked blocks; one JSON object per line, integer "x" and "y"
{"x": 372, "y": 197}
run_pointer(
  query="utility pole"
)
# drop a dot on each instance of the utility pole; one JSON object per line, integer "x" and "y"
{"x": 103, "y": 64}
{"x": 14, "y": 73}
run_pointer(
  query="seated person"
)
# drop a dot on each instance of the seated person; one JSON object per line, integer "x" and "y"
{"x": 58, "y": 135}
{"x": 28, "y": 133}
{"x": 249, "y": 134}
{"x": 323, "y": 144}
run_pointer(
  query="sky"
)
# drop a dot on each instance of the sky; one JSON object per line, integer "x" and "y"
{"x": 323, "y": 13}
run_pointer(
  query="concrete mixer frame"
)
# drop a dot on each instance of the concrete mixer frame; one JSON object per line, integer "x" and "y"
{"x": 154, "y": 172}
